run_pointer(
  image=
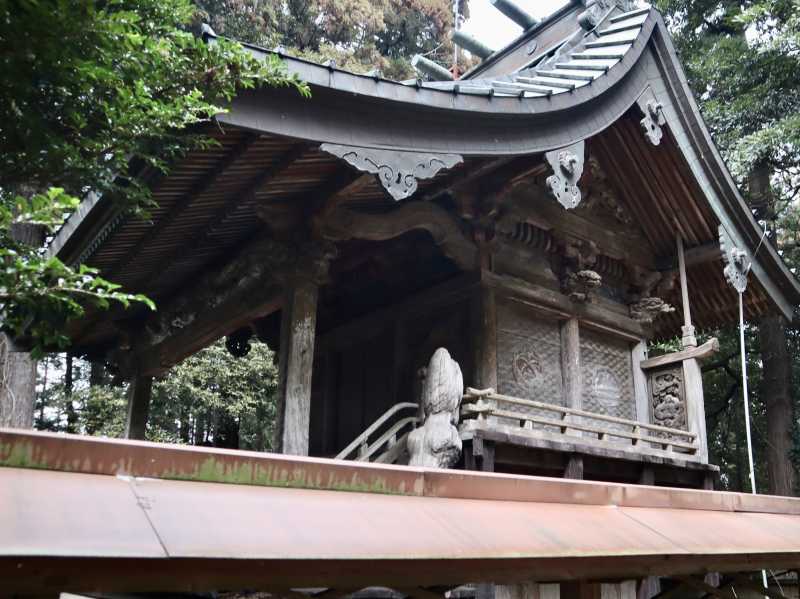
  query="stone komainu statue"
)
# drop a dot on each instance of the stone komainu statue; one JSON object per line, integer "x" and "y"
{"x": 436, "y": 444}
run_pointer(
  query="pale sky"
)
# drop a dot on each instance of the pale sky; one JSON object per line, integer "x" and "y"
{"x": 496, "y": 30}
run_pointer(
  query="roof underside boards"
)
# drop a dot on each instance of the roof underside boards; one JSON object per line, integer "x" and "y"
{"x": 88, "y": 514}
{"x": 268, "y": 162}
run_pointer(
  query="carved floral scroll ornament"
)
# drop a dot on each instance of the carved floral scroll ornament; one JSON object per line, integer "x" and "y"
{"x": 567, "y": 165}
{"x": 737, "y": 262}
{"x": 397, "y": 170}
{"x": 437, "y": 444}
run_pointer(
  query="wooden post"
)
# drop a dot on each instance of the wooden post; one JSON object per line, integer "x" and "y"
{"x": 695, "y": 405}
{"x": 139, "y": 392}
{"x": 688, "y": 338}
{"x": 571, "y": 363}
{"x": 485, "y": 333}
{"x": 298, "y": 325}
{"x": 574, "y": 468}
{"x": 640, "y": 392}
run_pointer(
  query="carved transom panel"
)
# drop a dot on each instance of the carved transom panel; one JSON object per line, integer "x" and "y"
{"x": 607, "y": 376}
{"x": 668, "y": 402}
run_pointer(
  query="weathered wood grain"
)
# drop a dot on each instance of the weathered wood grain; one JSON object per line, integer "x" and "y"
{"x": 298, "y": 326}
{"x": 139, "y": 392}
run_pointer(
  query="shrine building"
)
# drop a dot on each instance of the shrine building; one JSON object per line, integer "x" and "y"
{"x": 460, "y": 279}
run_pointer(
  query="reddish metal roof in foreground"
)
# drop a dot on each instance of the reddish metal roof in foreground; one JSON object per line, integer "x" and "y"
{"x": 85, "y": 514}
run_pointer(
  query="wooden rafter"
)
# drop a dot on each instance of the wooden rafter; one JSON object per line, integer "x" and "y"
{"x": 200, "y": 187}
{"x": 201, "y": 234}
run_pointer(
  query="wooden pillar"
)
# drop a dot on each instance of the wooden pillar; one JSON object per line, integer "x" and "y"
{"x": 484, "y": 317}
{"x": 598, "y": 590}
{"x": 640, "y": 393}
{"x": 572, "y": 377}
{"x": 574, "y": 467}
{"x": 298, "y": 325}
{"x": 687, "y": 338}
{"x": 139, "y": 392}
{"x": 528, "y": 590}
{"x": 695, "y": 405}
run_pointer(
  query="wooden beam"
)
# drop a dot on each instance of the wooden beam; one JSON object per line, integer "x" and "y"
{"x": 343, "y": 224}
{"x": 559, "y": 305}
{"x": 246, "y": 288}
{"x": 531, "y": 204}
{"x": 139, "y": 392}
{"x": 694, "y": 256}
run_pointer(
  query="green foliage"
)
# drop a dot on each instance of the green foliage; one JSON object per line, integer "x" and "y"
{"x": 211, "y": 398}
{"x": 360, "y": 35}
{"x": 96, "y": 97}
{"x": 743, "y": 63}
{"x": 39, "y": 294}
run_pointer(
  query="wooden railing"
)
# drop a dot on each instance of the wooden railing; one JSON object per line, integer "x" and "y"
{"x": 528, "y": 415}
{"x": 390, "y": 443}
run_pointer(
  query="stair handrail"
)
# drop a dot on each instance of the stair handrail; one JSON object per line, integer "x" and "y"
{"x": 361, "y": 439}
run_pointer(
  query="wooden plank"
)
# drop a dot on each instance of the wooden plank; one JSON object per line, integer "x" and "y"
{"x": 298, "y": 326}
{"x": 709, "y": 348}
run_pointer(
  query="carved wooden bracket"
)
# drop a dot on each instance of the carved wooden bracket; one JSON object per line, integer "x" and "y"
{"x": 647, "y": 309}
{"x": 397, "y": 170}
{"x": 343, "y": 224}
{"x": 644, "y": 306}
{"x": 654, "y": 119}
{"x": 567, "y": 165}
{"x": 737, "y": 262}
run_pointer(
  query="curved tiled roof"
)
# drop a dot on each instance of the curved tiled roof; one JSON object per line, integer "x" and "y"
{"x": 595, "y": 53}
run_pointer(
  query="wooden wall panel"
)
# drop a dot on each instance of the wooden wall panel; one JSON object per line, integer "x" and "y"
{"x": 607, "y": 375}
{"x": 528, "y": 355}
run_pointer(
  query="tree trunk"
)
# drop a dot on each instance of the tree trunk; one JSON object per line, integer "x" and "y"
{"x": 17, "y": 386}
{"x": 777, "y": 393}
{"x": 18, "y": 369}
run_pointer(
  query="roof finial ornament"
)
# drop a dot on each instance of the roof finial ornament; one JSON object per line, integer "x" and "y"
{"x": 567, "y": 165}
{"x": 736, "y": 260}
